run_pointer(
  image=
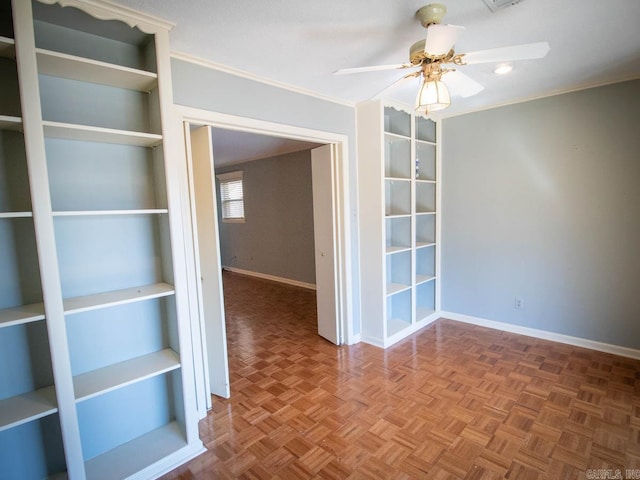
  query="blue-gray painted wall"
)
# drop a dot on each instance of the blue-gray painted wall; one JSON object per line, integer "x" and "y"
{"x": 277, "y": 235}
{"x": 541, "y": 201}
{"x": 213, "y": 90}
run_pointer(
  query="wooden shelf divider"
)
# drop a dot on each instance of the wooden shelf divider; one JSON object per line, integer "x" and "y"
{"x": 91, "y": 213}
{"x": 89, "y": 70}
{"x": 70, "y": 131}
{"x": 117, "y": 297}
{"x": 396, "y": 288}
{"x": 10, "y": 317}
{"x": 7, "y": 47}
{"x": 29, "y": 406}
{"x": 16, "y": 214}
{"x": 8, "y": 122}
{"x": 118, "y": 375}
{"x": 133, "y": 456}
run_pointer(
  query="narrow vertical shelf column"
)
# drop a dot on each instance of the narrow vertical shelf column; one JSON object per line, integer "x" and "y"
{"x": 426, "y": 218}
{"x": 45, "y": 237}
{"x": 400, "y": 188}
{"x": 175, "y": 176}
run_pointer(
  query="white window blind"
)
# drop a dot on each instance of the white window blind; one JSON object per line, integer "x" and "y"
{"x": 231, "y": 196}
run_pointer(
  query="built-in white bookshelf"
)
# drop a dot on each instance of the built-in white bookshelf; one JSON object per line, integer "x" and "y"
{"x": 400, "y": 185}
{"x": 96, "y": 377}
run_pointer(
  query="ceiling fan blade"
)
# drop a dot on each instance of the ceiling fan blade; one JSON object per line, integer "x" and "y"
{"x": 440, "y": 39}
{"x": 377, "y": 68}
{"x": 504, "y": 54}
{"x": 400, "y": 81}
{"x": 461, "y": 84}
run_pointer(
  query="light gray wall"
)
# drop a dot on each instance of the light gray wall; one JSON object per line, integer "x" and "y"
{"x": 541, "y": 200}
{"x": 208, "y": 89}
{"x": 277, "y": 236}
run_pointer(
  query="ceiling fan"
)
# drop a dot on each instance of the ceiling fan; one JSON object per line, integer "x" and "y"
{"x": 432, "y": 56}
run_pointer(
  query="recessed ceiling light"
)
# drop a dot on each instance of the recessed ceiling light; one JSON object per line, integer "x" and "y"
{"x": 502, "y": 69}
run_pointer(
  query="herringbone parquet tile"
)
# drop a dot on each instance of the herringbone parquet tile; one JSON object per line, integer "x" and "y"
{"x": 453, "y": 401}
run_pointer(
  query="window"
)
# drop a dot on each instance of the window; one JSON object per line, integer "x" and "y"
{"x": 231, "y": 197}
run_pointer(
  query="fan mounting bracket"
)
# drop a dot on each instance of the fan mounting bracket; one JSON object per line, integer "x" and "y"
{"x": 431, "y": 14}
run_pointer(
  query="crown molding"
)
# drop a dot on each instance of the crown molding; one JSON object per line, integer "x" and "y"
{"x": 186, "y": 57}
{"x": 107, "y": 10}
{"x": 436, "y": 117}
{"x": 578, "y": 88}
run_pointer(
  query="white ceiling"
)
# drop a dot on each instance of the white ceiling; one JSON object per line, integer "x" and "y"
{"x": 230, "y": 146}
{"x": 302, "y": 43}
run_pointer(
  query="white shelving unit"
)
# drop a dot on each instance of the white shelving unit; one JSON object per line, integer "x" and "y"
{"x": 96, "y": 375}
{"x": 399, "y": 234}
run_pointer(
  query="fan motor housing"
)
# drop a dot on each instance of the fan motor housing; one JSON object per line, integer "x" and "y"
{"x": 416, "y": 52}
{"x": 417, "y": 55}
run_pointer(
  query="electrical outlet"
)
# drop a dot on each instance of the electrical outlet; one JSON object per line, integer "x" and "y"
{"x": 517, "y": 303}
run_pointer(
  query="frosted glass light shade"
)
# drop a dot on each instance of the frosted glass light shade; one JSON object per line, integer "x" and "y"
{"x": 433, "y": 96}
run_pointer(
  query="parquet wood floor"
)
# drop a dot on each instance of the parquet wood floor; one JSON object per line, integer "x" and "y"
{"x": 453, "y": 401}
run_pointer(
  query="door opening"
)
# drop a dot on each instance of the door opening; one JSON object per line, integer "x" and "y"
{"x": 330, "y": 241}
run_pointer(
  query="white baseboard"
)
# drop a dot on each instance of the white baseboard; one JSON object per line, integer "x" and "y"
{"x": 273, "y": 278}
{"x": 543, "y": 334}
{"x": 409, "y": 330}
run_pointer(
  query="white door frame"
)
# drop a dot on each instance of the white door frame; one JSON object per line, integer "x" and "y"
{"x": 342, "y": 227}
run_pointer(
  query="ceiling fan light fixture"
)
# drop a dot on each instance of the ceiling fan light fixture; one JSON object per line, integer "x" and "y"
{"x": 433, "y": 96}
{"x": 432, "y": 56}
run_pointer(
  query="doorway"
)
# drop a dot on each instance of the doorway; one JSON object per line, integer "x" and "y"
{"x": 330, "y": 180}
